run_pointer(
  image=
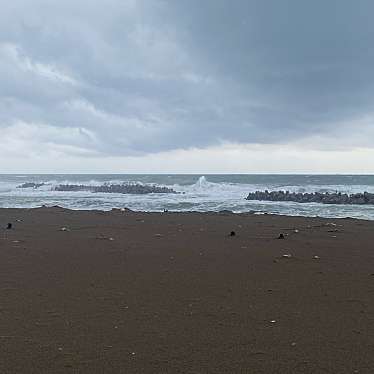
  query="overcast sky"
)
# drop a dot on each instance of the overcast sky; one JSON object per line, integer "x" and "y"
{"x": 187, "y": 86}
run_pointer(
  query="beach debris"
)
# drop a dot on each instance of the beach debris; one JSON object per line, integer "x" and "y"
{"x": 281, "y": 236}
{"x": 232, "y": 233}
{"x": 293, "y": 344}
{"x": 103, "y": 237}
{"x": 18, "y": 220}
{"x": 166, "y": 211}
{"x": 64, "y": 229}
{"x": 296, "y": 231}
{"x": 287, "y": 255}
{"x": 331, "y": 224}
{"x": 133, "y": 353}
{"x": 15, "y": 241}
{"x": 158, "y": 235}
{"x": 273, "y": 321}
{"x": 316, "y": 257}
{"x": 9, "y": 226}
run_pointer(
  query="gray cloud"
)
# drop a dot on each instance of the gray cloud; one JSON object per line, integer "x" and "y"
{"x": 131, "y": 77}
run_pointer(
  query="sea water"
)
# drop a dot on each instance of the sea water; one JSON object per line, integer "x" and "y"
{"x": 197, "y": 193}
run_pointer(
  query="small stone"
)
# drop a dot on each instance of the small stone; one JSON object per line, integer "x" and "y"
{"x": 316, "y": 257}
{"x": 296, "y": 231}
{"x": 232, "y": 233}
{"x": 281, "y": 236}
{"x": 9, "y": 226}
{"x": 293, "y": 344}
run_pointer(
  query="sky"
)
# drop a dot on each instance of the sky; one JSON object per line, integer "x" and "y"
{"x": 174, "y": 86}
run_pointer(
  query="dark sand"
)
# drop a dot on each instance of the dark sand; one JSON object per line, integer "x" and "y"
{"x": 174, "y": 293}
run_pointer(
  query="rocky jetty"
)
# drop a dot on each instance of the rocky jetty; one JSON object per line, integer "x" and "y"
{"x": 365, "y": 198}
{"x": 138, "y": 189}
{"x": 30, "y": 185}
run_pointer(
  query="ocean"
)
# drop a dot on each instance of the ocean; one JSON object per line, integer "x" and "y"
{"x": 198, "y": 193}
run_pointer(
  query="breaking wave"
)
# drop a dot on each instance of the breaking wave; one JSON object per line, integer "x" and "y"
{"x": 196, "y": 192}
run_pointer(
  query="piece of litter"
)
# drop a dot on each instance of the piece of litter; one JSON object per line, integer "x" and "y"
{"x": 293, "y": 344}
{"x": 158, "y": 235}
{"x": 316, "y": 257}
{"x": 296, "y": 231}
{"x": 281, "y": 236}
{"x": 15, "y": 241}
{"x": 287, "y": 256}
{"x": 133, "y": 353}
{"x": 64, "y": 229}
{"x": 60, "y": 349}
{"x": 111, "y": 239}
{"x": 232, "y": 233}
{"x": 273, "y": 321}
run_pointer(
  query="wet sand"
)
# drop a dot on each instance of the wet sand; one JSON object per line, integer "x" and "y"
{"x": 124, "y": 292}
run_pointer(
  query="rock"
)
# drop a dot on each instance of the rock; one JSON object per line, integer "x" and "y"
{"x": 281, "y": 236}
{"x": 365, "y": 198}
{"x": 9, "y": 226}
{"x": 31, "y": 185}
{"x": 232, "y": 233}
{"x": 138, "y": 189}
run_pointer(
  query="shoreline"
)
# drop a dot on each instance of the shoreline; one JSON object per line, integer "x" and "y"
{"x": 191, "y": 212}
{"x": 136, "y": 292}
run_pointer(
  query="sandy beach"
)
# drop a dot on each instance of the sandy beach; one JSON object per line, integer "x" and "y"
{"x": 127, "y": 292}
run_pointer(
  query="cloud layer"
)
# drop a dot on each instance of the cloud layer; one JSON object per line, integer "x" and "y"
{"x": 137, "y": 77}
